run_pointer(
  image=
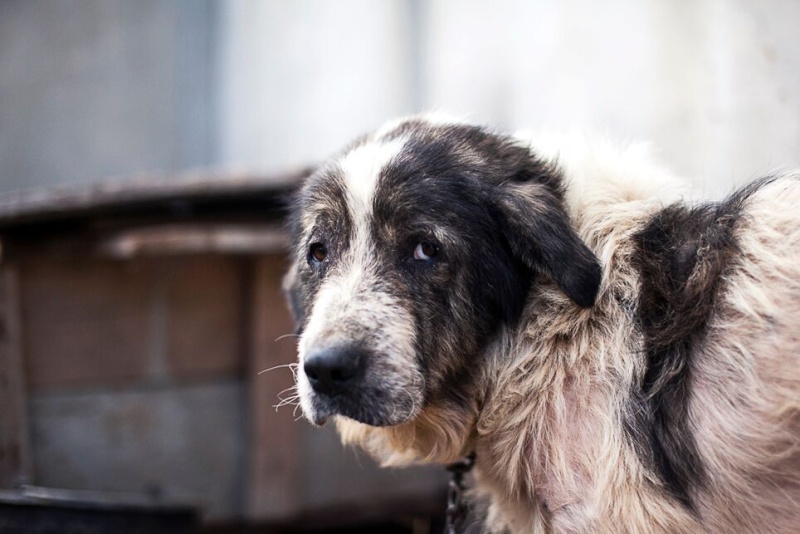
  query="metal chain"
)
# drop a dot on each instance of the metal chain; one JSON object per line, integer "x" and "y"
{"x": 457, "y": 509}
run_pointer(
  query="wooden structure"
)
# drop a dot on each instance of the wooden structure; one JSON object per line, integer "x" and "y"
{"x": 136, "y": 318}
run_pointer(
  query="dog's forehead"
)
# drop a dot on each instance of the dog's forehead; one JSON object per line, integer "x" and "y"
{"x": 361, "y": 169}
{"x": 398, "y": 158}
{"x": 344, "y": 189}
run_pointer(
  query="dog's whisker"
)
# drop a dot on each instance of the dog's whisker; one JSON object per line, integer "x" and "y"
{"x": 284, "y": 336}
{"x": 290, "y": 388}
{"x": 292, "y": 366}
{"x": 287, "y": 402}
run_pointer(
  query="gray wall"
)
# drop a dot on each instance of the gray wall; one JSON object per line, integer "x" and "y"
{"x": 714, "y": 84}
{"x": 299, "y": 79}
{"x": 92, "y": 89}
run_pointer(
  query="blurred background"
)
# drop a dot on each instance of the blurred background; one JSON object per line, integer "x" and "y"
{"x": 145, "y": 148}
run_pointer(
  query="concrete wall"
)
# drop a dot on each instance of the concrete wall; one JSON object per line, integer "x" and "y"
{"x": 298, "y": 79}
{"x": 91, "y": 89}
{"x": 714, "y": 84}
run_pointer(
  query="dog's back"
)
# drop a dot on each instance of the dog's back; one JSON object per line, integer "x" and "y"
{"x": 745, "y": 400}
{"x": 712, "y": 293}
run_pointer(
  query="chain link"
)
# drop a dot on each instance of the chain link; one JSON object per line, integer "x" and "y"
{"x": 457, "y": 509}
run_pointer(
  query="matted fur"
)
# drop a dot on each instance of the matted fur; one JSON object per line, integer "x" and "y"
{"x": 667, "y": 400}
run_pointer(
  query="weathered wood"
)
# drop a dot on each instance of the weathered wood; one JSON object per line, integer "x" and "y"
{"x": 15, "y": 455}
{"x": 145, "y": 334}
{"x": 154, "y": 192}
{"x": 176, "y": 443}
{"x": 177, "y": 239}
{"x": 275, "y": 451}
{"x": 91, "y": 322}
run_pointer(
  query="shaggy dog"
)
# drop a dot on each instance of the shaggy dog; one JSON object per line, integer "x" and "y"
{"x": 618, "y": 359}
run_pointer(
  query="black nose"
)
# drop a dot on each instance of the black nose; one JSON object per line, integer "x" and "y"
{"x": 333, "y": 369}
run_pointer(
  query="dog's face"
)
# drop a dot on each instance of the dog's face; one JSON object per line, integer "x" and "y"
{"x": 410, "y": 251}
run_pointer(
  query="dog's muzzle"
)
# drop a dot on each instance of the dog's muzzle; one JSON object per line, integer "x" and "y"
{"x": 350, "y": 380}
{"x": 338, "y": 382}
{"x": 335, "y": 370}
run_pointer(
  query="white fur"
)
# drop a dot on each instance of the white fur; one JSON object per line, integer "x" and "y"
{"x": 361, "y": 169}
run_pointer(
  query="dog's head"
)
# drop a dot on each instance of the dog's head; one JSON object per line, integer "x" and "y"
{"x": 410, "y": 251}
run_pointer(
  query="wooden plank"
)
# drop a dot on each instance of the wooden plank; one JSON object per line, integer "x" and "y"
{"x": 160, "y": 193}
{"x": 274, "y": 486}
{"x": 104, "y": 323}
{"x": 204, "y": 335}
{"x": 15, "y": 455}
{"x": 180, "y": 443}
{"x": 195, "y": 238}
{"x": 86, "y": 323}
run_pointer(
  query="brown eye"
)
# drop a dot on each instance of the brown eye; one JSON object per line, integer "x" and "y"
{"x": 318, "y": 253}
{"x": 425, "y": 251}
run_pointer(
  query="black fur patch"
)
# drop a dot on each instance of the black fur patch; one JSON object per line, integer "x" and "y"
{"x": 497, "y": 179}
{"x": 435, "y": 192}
{"x": 682, "y": 257}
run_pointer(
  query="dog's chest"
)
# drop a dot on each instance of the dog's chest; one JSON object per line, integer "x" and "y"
{"x": 558, "y": 454}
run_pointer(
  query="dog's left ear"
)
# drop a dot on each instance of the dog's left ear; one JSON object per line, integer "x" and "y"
{"x": 540, "y": 234}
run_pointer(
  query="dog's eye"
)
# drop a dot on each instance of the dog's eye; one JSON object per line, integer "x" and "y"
{"x": 425, "y": 251}
{"x": 317, "y": 253}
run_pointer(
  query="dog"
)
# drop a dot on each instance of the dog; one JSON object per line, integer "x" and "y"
{"x": 618, "y": 356}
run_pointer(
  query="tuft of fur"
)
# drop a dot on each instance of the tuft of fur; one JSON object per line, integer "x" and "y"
{"x": 663, "y": 398}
